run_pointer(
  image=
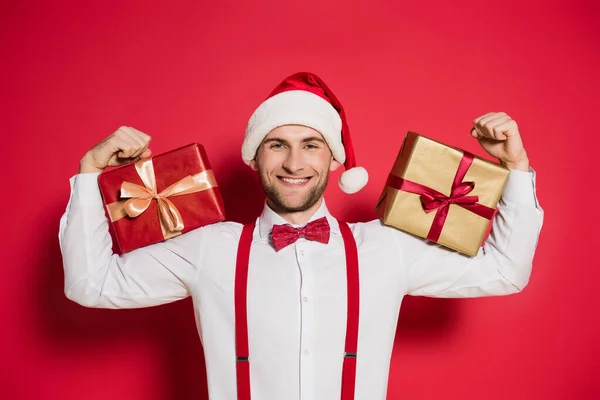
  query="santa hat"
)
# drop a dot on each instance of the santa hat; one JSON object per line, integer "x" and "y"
{"x": 304, "y": 99}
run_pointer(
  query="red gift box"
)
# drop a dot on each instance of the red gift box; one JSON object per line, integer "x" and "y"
{"x": 158, "y": 198}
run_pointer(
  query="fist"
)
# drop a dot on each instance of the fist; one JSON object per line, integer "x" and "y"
{"x": 499, "y": 136}
{"x": 125, "y": 145}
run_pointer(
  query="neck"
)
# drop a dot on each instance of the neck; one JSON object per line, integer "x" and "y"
{"x": 297, "y": 217}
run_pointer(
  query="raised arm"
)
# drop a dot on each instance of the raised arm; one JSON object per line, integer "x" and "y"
{"x": 503, "y": 266}
{"x": 94, "y": 276}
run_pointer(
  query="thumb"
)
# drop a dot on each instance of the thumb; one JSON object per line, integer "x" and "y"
{"x": 120, "y": 161}
{"x": 145, "y": 154}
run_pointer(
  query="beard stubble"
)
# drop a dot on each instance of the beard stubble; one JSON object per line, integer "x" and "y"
{"x": 278, "y": 203}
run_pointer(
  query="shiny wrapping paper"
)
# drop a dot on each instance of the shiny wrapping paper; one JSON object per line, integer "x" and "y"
{"x": 159, "y": 198}
{"x": 431, "y": 166}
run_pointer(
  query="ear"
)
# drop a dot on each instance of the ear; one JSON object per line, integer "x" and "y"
{"x": 253, "y": 165}
{"x": 334, "y": 164}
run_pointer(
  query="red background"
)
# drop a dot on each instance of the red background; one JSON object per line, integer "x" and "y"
{"x": 74, "y": 72}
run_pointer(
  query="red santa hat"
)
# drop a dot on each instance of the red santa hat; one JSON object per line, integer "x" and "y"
{"x": 304, "y": 99}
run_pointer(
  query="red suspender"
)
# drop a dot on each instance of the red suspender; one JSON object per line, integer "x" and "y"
{"x": 349, "y": 367}
{"x": 241, "y": 315}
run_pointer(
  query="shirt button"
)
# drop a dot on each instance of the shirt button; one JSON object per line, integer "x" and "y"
{"x": 306, "y": 352}
{"x": 305, "y": 299}
{"x": 301, "y": 252}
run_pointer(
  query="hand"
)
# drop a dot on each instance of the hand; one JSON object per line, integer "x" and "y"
{"x": 499, "y": 136}
{"x": 125, "y": 145}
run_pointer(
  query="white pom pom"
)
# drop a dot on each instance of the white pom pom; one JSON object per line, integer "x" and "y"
{"x": 353, "y": 180}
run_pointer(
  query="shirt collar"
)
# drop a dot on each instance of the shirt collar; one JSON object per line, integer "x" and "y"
{"x": 268, "y": 218}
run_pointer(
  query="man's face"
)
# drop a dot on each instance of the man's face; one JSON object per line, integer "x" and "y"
{"x": 293, "y": 163}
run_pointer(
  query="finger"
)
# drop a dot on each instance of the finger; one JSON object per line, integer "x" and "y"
{"x": 485, "y": 124}
{"x": 121, "y": 161}
{"x": 126, "y": 151}
{"x": 492, "y": 124}
{"x": 146, "y": 139}
{"x": 499, "y": 119}
{"x": 480, "y": 132}
{"x": 483, "y": 141}
{"x": 477, "y": 133}
{"x": 141, "y": 144}
{"x": 476, "y": 120}
{"x": 484, "y": 119}
{"x": 143, "y": 136}
{"x": 146, "y": 154}
{"x": 124, "y": 146}
{"x": 505, "y": 129}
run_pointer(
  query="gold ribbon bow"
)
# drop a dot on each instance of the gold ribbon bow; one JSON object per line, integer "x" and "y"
{"x": 139, "y": 197}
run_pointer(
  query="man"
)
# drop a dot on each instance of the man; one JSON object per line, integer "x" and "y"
{"x": 320, "y": 320}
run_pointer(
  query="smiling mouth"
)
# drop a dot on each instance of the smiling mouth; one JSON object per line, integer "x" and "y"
{"x": 294, "y": 181}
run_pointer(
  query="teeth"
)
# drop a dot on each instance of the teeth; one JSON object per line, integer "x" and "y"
{"x": 294, "y": 181}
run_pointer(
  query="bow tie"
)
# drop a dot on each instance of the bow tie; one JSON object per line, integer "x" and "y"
{"x": 317, "y": 230}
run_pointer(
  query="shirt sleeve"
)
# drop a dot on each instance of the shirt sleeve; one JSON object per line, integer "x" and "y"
{"x": 95, "y": 277}
{"x": 502, "y": 266}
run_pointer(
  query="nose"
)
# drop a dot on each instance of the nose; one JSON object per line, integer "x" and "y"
{"x": 293, "y": 162}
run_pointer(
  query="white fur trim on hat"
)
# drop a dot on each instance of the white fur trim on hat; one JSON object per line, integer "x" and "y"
{"x": 294, "y": 107}
{"x": 353, "y": 179}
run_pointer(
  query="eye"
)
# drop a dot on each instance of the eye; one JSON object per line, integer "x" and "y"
{"x": 311, "y": 146}
{"x": 276, "y": 146}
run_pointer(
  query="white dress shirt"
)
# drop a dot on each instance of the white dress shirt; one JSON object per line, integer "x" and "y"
{"x": 297, "y": 296}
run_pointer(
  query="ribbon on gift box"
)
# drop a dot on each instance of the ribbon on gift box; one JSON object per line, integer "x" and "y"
{"x": 433, "y": 200}
{"x": 139, "y": 197}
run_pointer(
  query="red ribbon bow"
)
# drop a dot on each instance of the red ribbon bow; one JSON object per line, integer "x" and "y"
{"x": 433, "y": 200}
{"x": 317, "y": 230}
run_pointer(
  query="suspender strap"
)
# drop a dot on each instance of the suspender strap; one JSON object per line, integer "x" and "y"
{"x": 241, "y": 313}
{"x": 349, "y": 366}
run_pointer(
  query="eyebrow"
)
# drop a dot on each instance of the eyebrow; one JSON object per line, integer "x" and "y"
{"x": 313, "y": 139}
{"x": 308, "y": 139}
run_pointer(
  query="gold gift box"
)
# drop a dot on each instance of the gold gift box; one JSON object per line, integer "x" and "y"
{"x": 434, "y": 165}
